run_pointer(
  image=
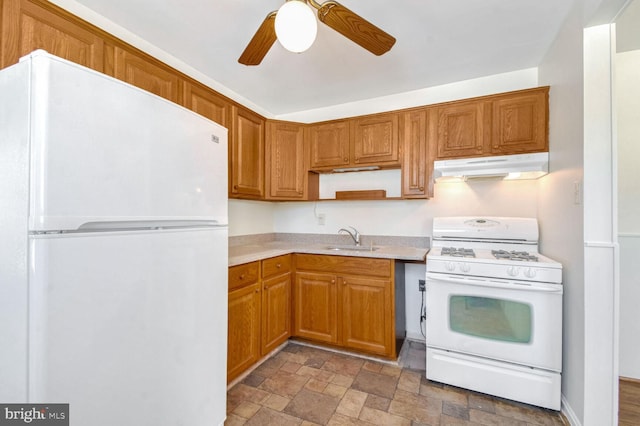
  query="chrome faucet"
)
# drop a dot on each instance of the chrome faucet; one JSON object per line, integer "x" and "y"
{"x": 355, "y": 234}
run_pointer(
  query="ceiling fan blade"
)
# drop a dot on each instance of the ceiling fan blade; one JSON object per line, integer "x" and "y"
{"x": 261, "y": 42}
{"x": 355, "y": 28}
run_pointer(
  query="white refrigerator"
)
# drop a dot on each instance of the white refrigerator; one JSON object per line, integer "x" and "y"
{"x": 113, "y": 249}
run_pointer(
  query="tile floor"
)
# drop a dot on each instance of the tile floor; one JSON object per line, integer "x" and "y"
{"x": 303, "y": 385}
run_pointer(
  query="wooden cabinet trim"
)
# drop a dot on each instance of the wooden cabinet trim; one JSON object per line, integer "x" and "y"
{"x": 344, "y": 265}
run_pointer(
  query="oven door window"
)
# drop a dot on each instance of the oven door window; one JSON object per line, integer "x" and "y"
{"x": 491, "y": 318}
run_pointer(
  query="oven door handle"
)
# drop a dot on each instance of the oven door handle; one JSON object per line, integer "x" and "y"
{"x": 509, "y": 285}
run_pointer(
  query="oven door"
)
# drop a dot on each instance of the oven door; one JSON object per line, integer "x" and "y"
{"x": 518, "y": 322}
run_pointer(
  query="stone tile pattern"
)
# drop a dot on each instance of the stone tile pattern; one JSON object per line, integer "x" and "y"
{"x": 302, "y": 385}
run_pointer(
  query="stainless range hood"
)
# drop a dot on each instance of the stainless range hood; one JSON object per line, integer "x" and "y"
{"x": 518, "y": 166}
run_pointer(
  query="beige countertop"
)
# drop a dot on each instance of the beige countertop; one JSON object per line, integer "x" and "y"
{"x": 245, "y": 253}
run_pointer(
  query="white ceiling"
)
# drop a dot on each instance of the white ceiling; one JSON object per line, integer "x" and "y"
{"x": 438, "y": 42}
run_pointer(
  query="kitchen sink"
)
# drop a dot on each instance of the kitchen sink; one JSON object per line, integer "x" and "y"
{"x": 352, "y": 248}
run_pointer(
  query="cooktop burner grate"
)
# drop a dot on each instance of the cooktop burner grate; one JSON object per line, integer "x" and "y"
{"x": 514, "y": 255}
{"x": 457, "y": 252}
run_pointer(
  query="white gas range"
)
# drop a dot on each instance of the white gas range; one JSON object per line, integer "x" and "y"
{"x": 494, "y": 309}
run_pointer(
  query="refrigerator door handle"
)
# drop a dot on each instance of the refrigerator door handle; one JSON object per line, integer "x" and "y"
{"x": 129, "y": 225}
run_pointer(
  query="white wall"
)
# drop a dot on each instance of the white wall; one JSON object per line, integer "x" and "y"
{"x": 411, "y": 217}
{"x": 561, "y": 219}
{"x": 628, "y": 115}
{"x": 250, "y": 217}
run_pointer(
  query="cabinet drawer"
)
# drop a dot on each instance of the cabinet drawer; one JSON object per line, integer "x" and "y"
{"x": 276, "y": 266}
{"x": 344, "y": 265}
{"x": 242, "y": 275}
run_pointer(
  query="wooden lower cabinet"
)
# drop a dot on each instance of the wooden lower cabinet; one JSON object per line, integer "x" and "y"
{"x": 259, "y": 315}
{"x": 367, "y": 314}
{"x": 347, "y": 302}
{"x": 276, "y": 302}
{"x": 243, "y": 344}
{"x": 316, "y": 304}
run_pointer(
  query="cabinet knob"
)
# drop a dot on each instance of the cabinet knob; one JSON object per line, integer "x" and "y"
{"x": 479, "y": 147}
{"x": 346, "y": 160}
{"x": 257, "y": 290}
{"x": 496, "y": 147}
{"x": 421, "y": 188}
{"x": 235, "y": 187}
{"x": 266, "y": 287}
{"x": 333, "y": 281}
{"x": 278, "y": 266}
{"x": 241, "y": 277}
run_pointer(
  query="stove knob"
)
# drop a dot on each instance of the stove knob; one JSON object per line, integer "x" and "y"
{"x": 530, "y": 273}
{"x": 465, "y": 267}
{"x": 513, "y": 271}
{"x": 450, "y": 266}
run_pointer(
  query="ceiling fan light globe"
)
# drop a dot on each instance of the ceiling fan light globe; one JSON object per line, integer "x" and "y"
{"x": 296, "y": 26}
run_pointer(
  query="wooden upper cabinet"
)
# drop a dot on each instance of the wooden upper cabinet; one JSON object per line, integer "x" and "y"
{"x": 374, "y": 140}
{"x": 26, "y": 26}
{"x": 145, "y": 74}
{"x": 461, "y": 129}
{"x": 371, "y": 140}
{"x": 508, "y": 123}
{"x": 206, "y": 103}
{"x": 416, "y": 167}
{"x": 329, "y": 144}
{"x": 520, "y": 122}
{"x": 285, "y": 165}
{"x": 246, "y": 154}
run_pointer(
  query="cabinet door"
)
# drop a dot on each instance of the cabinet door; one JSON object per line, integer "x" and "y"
{"x": 316, "y": 307}
{"x": 146, "y": 74}
{"x": 374, "y": 140}
{"x": 276, "y": 312}
{"x": 415, "y": 162}
{"x": 367, "y": 314}
{"x": 206, "y": 103}
{"x": 25, "y": 26}
{"x": 329, "y": 144}
{"x": 285, "y": 165}
{"x": 246, "y": 166}
{"x": 461, "y": 129}
{"x": 243, "y": 343}
{"x": 520, "y": 122}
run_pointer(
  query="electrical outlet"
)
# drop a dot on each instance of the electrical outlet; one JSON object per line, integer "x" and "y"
{"x": 577, "y": 192}
{"x": 421, "y": 285}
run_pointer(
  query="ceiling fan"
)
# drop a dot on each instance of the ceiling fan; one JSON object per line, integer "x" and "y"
{"x": 331, "y": 13}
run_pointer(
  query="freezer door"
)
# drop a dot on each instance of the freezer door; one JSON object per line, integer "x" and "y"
{"x": 103, "y": 150}
{"x": 130, "y": 328}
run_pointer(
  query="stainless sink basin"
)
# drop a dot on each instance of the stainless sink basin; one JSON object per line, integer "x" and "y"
{"x": 352, "y": 248}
